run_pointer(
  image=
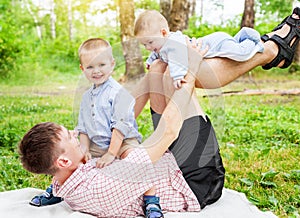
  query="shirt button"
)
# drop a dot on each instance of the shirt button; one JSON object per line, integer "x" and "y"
{"x": 93, "y": 114}
{"x": 92, "y": 105}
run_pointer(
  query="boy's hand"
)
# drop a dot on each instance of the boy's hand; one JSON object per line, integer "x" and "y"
{"x": 178, "y": 83}
{"x": 105, "y": 160}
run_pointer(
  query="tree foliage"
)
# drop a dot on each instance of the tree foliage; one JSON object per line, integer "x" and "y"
{"x": 278, "y": 7}
{"x": 10, "y": 37}
{"x": 21, "y": 46}
{"x": 131, "y": 50}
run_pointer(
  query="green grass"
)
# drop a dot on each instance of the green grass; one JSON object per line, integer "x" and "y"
{"x": 260, "y": 148}
{"x": 259, "y": 136}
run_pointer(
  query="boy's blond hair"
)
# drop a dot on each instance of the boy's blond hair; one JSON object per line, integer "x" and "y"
{"x": 94, "y": 45}
{"x": 150, "y": 20}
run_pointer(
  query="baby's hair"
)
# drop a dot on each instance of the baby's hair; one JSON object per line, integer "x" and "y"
{"x": 148, "y": 20}
{"x": 93, "y": 44}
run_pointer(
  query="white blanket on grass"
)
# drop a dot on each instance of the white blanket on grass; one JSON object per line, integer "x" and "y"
{"x": 232, "y": 204}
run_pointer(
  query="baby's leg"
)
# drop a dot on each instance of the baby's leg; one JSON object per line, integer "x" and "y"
{"x": 239, "y": 51}
{"x": 247, "y": 33}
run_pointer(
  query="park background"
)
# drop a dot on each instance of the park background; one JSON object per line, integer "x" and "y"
{"x": 256, "y": 117}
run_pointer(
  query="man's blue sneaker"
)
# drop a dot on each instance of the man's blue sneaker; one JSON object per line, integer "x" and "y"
{"x": 46, "y": 198}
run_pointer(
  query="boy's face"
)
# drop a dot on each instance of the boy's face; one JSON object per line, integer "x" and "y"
{"x": 97, "y": 65}
{"x": 151, "y": 40}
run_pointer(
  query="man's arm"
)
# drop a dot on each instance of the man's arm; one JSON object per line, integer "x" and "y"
{"x": 181, "y": 106}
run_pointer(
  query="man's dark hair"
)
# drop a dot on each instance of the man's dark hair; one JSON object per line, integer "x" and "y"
{"x": 38, "y": 149}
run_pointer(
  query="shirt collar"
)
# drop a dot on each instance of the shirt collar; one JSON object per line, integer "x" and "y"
{"x": 96, "y": 90}
{"x": 77, "y": 177}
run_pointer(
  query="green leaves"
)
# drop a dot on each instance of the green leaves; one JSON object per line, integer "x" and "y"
{"x": 268, "y": 175}
{"x": 282, "y": 8}
{"x": 10, "y": 45}
{"x": 265, "y": 180}
{"x": 247, "y": 181}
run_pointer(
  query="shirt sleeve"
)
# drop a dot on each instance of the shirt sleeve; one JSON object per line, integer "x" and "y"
{"x": 152, "y": 57}
{"x": 177, "y": 55}
{"x": 123, "y": 113}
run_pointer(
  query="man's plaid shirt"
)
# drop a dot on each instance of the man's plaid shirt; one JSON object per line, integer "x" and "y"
{"x": 117, "y": 190}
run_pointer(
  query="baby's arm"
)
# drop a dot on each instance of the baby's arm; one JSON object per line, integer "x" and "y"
{"x": 152, "y": 57}
{"x": 114, "y": 147}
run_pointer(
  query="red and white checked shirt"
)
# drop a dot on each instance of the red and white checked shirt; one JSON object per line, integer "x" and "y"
{"x": 117, "y": 190}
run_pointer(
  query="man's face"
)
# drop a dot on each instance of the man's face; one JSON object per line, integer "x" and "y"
{"x": 70, "y": 143}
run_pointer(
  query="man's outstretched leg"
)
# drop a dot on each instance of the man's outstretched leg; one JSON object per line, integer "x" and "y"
{"x": 279, "y": 49}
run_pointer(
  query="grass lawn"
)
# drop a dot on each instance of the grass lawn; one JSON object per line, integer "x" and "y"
{"x": 259, "y": 135}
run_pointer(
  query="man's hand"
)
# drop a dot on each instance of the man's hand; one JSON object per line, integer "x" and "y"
{"x": 105, "y": 160}
{"x": 195, "y": 54}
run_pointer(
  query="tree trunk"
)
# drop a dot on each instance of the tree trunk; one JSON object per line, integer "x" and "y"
{"x": 179, "y": 15}
{"x": 165, "y": 8}
{"x": 249, "y": 14}
{"x": 36, "y": 22}
{"x": 201, "y": 11}
{"x": 52, "y": 19}
{"x": 131, "y": 48}
{"x": 192, "y": 7}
